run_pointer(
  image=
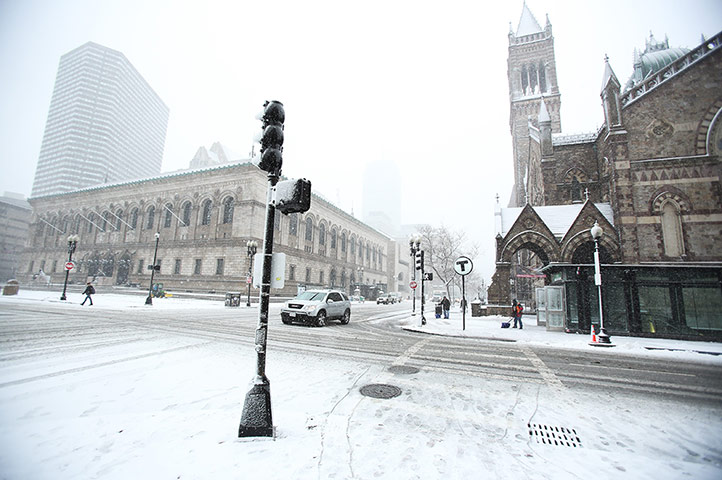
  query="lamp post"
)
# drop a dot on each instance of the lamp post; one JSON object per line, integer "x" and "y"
{"x": 72, "y": 243}
{"x": 597, "y": 233}
{"x": 149, "y": 300}
{"x": 414, "y": 246}
{"x": 251, "y": 248}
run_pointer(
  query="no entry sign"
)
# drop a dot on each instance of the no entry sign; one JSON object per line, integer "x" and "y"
{"x": 69, "y": 266}
{"x": 413, "y": 285}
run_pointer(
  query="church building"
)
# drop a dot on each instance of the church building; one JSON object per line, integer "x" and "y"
{"x": 649, "y": 177}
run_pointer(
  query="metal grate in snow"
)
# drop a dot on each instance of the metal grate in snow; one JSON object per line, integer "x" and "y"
{"x": 380, "y": 390}
{"x": 553, "y": 435}
{"x": 403, "y": 369}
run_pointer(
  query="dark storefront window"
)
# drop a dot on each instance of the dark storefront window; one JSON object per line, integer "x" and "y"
{"x": 703, "y": 307}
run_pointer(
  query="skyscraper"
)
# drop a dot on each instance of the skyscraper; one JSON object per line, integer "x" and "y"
{"x": 105, "y": 124}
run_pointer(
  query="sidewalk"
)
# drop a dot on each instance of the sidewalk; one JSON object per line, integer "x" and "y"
{"x": 489, "y": 328}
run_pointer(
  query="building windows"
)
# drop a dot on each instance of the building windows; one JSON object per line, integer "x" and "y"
{"x": 322, "y": 234}
{"x": 150, "y": 218}
{"x": 308, "y": 274}
{"x": 134, "y": 218}
{"x": 177, "y": 267}
{"x": 141, "y": 262}
{"x": 228, "y": 210}
{"x": 333, "y": 238}
{"x": 118, "y": 219}
{"x": 186, "y": 214}
{"x": 309, "y": 229}
{"x": 672, "y": 230}
{"x": 219, "y": 266}
{"x": 206, "y": 218}
{"x": 292, "y": 272}
{"x": 293, "y": 224}
{"x": 320, "y": 277}
{"x": 168, "y": 215}
{"x": 197, "y": 267}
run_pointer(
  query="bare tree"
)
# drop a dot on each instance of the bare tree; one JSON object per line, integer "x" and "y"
{"x": 441, "y": 249}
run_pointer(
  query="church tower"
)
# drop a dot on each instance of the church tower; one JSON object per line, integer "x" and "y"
{"x": 532, "y": 76}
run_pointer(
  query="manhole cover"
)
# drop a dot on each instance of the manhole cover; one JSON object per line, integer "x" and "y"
{"x": 553, "y": 435}
{"x": 378, "y": 390}
{"x": 403, "y": 369}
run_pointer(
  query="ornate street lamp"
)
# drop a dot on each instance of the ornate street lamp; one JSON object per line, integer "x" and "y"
{"x": 72, "y": 243}
{"x": 251, "y": 247}
{"x": 597, "y": 232}
{"x": 149, "y": 300}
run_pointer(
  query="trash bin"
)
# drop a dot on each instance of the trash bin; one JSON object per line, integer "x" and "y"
{"x": 437, "y": 310}
{"x": 11, "y": 288}
{"x": 476, "y": 308}
{"x": 233, "y": 299}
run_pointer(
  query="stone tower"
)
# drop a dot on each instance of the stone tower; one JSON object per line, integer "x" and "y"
{"x": 532, "y": 77}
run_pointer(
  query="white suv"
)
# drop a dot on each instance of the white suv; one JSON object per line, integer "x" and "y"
{"x": 316, "y": 307}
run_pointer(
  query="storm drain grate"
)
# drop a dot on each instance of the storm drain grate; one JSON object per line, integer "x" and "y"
{"x": 552, "y": 435}
{"x": 404, "y": 369}
{"x": 380, "y": 390}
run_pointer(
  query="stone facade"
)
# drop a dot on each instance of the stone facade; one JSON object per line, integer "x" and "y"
{"x": 655, "y": 166}
{"x": 205, "y": 218}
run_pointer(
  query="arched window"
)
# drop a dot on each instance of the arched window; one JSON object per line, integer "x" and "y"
{"x": 333, "y": 238}
{"x": 134, "y": 218}
{"x": 228, "y": 210}
{"x": 293, "y": 224}
{"x": 343, "y": 242}
{"x": 187, "y": 214}
{"x": 91, "y": 221}
{"x": 322, "y": 234}
{"x": 105, "y": 223}
{"x": 576, "y": 190}
{"x": 150, "y": 218}
{"x": 309, "y": 229}
{"x": 672, "y": 230}
{"x": 206, "y": 218}
{"x": 353, "y": 246}
{"x": 168, "y": 215}
{"x": 118, "y": 218}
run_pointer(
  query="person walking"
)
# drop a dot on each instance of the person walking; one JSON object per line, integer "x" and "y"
{"x": 89, "y": 290}
{"x": 445, "y": 305}
{"x": 516, "y": 311}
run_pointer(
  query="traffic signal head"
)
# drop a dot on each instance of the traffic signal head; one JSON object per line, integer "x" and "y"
{"x": 420, "y": 260}
{"x": 273, "y": 116}
{"x": 293, "y": 196}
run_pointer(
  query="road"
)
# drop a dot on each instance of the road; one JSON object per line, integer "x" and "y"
{"x": 42, "y": 331}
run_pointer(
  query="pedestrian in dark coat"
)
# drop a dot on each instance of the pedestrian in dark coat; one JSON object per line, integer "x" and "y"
{"x": 445, "y": 306}
{"x": 89, "y": 290}
{"x": 516, "y": 310}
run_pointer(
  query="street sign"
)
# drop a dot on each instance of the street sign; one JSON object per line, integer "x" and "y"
{"x": 249, "y": 279}
{"x": 413, "y": 285}
{"x": 278, "y": 268}
{"x": 69, "y": 266}
{"x": 463, "y": 266}
{"x": 428, "y": 276}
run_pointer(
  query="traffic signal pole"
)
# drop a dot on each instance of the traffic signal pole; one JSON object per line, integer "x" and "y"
{"x": 257, "y": 419}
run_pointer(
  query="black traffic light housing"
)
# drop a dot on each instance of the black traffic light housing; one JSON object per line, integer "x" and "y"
{"x": 420, "y": 260}
{"x": 293, "y": 196}
{"x": 272, "y": 117}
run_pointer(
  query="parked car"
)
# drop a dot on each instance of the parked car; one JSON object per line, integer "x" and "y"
{"x": 382, "y": 299}
{"x": 395, "y": 297}
{"x": 317, "y": 307}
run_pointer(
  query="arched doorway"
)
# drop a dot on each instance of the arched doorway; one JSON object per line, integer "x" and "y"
{"x": 123, "y": 270}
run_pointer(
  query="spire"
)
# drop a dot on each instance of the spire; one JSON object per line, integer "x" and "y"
{"x": 544, "y": 113}
{"x": 527, "y": 23}
{"x": 609, "y": 75}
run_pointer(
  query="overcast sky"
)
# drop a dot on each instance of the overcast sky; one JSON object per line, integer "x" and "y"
{"x": 420, "y": 83}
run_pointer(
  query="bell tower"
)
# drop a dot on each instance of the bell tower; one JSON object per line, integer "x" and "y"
{"x": 532, "y": 76}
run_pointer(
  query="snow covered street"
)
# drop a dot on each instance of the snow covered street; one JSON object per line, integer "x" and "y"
{"x": 139, "y": 403}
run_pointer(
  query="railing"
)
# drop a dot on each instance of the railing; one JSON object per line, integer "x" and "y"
{"x": 672, "y": 69}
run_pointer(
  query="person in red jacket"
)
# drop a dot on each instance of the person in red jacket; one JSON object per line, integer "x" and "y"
{"x": 516, "y": 310}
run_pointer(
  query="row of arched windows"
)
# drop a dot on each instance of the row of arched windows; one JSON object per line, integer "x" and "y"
{"x": 113, "y": 221}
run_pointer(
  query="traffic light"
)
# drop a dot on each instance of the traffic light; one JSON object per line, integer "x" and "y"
{"x": 273, "y": 116}
{"x": 428, "y": 276}
{"x": 420, "y": 260}
{"x": 293, "y": 196}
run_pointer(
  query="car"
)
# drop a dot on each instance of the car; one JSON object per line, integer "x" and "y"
{"x": 317, "y": 307}
{"x": 394, "y": 297}
{"x": 382, "y": 299}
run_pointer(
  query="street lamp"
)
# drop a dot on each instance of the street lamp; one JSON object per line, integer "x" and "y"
{"x": 72, "y": 243}
{"x": 414, "y": 246}
{"x": 251, "y": 247}
{"x": 597, "y": 233}
{"x": 149, "y": 300}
